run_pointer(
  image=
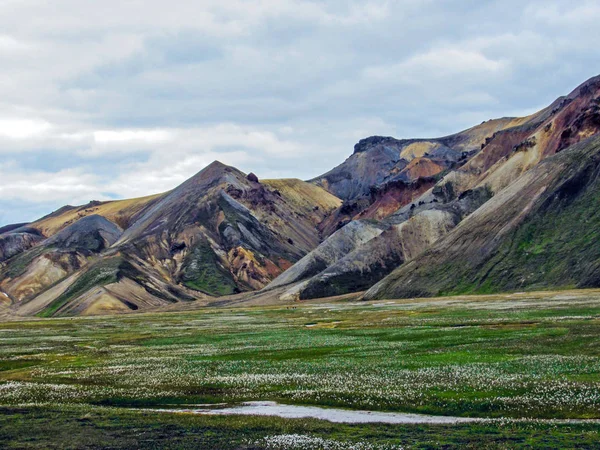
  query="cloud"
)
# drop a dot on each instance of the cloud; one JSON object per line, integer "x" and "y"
{"x": 131, "y": 98}
{"x": 437, "y": 63}
{"x": 22, "y": 128}
{"x": 41, "y": 186}
{"x": 124, "y": 136}
{"x": 565, "y": 14}
{"x": 8, "y": 44}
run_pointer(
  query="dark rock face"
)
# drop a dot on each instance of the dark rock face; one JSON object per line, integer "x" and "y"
{"x": 13, "y": 243}
{"x": 364, "y": 145}
{"x": 93, "y": 233}
{"x": 379, "y": 160}
{"x": 252, "y": 177}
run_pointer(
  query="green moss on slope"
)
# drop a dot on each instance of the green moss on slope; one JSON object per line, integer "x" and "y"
{"x": 558, "y": 246}
{"x": 544, "y": 235}
{"x": 202, "y": 272}
{"x": 102, "y": 273}
{"x": 17, "y": 265}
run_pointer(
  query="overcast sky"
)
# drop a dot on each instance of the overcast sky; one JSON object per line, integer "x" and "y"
{"x": 120, "y": 98}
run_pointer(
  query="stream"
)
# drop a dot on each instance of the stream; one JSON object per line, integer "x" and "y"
{"x": 329, "y": 414}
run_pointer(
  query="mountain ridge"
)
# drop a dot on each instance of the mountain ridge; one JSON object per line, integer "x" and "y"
{"x": 365, "y": 224}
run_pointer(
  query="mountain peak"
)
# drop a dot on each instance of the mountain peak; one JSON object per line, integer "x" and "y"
{"x": 216, "y": 164}
{"x": 368, "y": 143}
{"x": 585, "y": 87}
{"x": 215, "y": 172}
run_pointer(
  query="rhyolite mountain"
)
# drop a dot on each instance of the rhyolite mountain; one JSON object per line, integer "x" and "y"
{"x": 542, "y": 231}
{"x": 219, "y": 233}
{"x": 508, "y": 204}
{"x": 513, "y": 147}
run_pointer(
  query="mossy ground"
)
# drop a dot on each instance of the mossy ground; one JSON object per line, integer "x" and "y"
{"x": 558, "y": 246}
{"x": 72, "y": 382}
{"x": 91, "y": 428}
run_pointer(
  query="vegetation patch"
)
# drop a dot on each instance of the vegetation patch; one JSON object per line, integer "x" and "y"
{"x": 202, "y": 271}
{"x": 17, "y": 265}
{"x": 557, "y": 247}
{"x": 100, "y": 274}
{"x": 499, "y": 357}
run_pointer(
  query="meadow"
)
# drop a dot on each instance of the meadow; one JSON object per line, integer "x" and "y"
{"x": 529, "y": 361}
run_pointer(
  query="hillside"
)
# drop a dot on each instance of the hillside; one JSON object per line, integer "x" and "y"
{"x": 121, "y": 212}
{"x": 514, "y": 148}
{"x": 218, "y": 233}
{"x": 540, "y": 232}
{"x": 483, "y": 210}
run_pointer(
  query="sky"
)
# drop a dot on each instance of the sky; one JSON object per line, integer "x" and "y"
{"x": 114, "y": 99}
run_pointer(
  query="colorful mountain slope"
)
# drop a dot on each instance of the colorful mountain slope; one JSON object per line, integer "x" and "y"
{"x": 507, "y": 204}
{"x": 218, "y": 233}
{"x": 503, "y": 157}
{"x": 540, "y": 232}
{"x": 121, "y": 212}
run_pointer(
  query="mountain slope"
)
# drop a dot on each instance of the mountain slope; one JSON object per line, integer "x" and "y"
{"x": 378, "y": 160}
{"x": 382, "y": 211}
{"x": 502, "y": 158}
{"x": 245, "y": 231}
{"x": 540, "y": 232}
{"x": 17, "y": 240}
{"x": 120, "y": 212}
{"x": 336, "y": 247}
{"x": 33, "y": 271}
{"x": 218, "y": 233}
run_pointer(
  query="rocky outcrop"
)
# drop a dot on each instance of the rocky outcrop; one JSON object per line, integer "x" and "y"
{"x": 332, "y": 250}
{"x": 18, "y": 240}
{"x": 93, "y": 233}
{"x": 378, "y": 160}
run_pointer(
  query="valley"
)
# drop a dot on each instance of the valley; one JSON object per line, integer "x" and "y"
{"x": 527, "y": 363}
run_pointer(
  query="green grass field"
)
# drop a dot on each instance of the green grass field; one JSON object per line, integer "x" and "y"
{"x": 89, "y": 382}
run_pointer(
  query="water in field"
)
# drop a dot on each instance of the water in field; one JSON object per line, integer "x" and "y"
{"x": 329, "y": 414}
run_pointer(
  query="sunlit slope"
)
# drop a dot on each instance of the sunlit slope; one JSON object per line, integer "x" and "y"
{"x": 121, "y": 212}
{"x": 305, "y": 195}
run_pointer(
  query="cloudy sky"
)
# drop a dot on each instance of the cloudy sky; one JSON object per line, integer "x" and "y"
{"x": 119, "y": 98}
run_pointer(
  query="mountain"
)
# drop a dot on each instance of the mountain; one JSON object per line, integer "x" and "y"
{"x": 16, "y": 239}
{"x": 540, "y": 232}
{"x": 516, "y": 146}
{"x": 384, "y": 174}
{"x": 380, "y": 160}
{"x": 509, "y": 204}
{"x": 218, "y": 233}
